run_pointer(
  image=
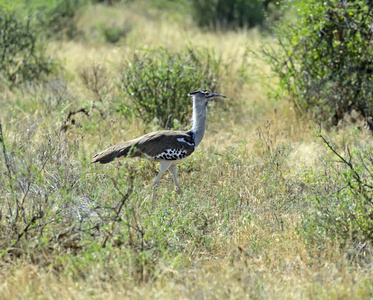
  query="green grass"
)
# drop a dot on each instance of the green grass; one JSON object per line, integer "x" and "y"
{"x": 72, "y": 229}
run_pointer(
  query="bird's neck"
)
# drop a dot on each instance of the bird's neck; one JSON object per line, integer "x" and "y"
{"x": 199, "y": 121}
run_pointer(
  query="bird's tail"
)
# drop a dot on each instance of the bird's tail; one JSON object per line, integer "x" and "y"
{"x": 108, "y": 155}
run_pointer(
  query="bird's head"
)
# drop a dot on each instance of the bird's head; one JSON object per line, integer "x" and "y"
{"x": 204, "y": 96}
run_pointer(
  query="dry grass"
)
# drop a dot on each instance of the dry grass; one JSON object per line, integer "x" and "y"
{"x": 234, "y": 235}
{"x": 283, "y": 268}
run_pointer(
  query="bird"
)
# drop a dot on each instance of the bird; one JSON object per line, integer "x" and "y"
{"x": 167, "y": 147}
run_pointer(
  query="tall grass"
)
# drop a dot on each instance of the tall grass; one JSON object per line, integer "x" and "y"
{"x": 70, "y": 229}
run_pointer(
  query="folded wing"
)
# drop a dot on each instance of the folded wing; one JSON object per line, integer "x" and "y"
{"x": 159, "y": 145}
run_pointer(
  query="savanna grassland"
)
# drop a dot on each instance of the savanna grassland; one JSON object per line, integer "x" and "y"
{"x": 268, "y": 209}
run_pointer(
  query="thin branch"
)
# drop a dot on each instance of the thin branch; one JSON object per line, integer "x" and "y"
{"x": 348, "y": 163}
{"x": 2, "y": 142}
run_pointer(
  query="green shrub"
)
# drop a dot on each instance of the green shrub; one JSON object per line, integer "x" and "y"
{"x": 106, "y": 2}
{"x": 157, "y": 83}
{"x": 59, "y": 19}
{"x": 113, "y": 33}
{"x": 230, "y": 14}
{"x": 22, "y": 55}
{"x": 324, "y": 59}
{"x": 342, "y": 206}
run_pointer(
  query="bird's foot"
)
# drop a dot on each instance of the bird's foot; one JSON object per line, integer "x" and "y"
{"x": 179, "y": 191}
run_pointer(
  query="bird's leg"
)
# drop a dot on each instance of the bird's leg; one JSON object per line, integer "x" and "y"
{"x": 163, "y": 166}
{"x": 173, "y": 171}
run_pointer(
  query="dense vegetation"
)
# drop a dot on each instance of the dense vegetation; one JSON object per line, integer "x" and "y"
{"x": 22, "y": 56}
{"x": 324, "y": 59}
{"x": 325, "y": 68}
{"x": 275, "y": 206}
{"x": 224, "y": 14}
{"x": 156, "y": 82}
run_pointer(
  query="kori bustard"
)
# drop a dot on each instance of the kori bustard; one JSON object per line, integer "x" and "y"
{"x": 167, "y": 147}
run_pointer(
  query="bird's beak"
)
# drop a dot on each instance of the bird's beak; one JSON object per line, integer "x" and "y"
{"x": 221, "y": 96}
{"x": 217, "y": 96}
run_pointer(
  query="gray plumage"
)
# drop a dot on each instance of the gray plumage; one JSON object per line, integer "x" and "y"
{"x": 167, "y": 147}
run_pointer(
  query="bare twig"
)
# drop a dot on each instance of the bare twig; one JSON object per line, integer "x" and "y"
{"x": 65, "y": 126}
{"x": 124, "y": 196}
{"x": 119, "y": 207}
{"x": 2, "y": 142}
{"x": 83, "y": 110}
{"x": 28, "y": 227}
{"x": 355, "y": 174}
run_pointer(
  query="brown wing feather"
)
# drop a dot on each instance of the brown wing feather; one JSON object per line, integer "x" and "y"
{"x": 157, "y": 142}
{"x": 149, "y": 145}
{"x": 113, "y": 152}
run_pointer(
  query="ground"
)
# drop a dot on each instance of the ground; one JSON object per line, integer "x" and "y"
{"x": 89, "y": 231}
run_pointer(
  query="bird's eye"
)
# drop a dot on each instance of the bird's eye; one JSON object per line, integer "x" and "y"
{"x": 207, "y": 93}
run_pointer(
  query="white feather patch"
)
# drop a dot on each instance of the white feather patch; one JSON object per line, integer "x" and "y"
{"x": 184, "y": 141}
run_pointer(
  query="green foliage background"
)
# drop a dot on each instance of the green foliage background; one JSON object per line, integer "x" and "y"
{"x": 158, "y": 82}
{"x": 324, "y": 59}
{"x": 22, "y": 53}
{"x": 246, "y": 191}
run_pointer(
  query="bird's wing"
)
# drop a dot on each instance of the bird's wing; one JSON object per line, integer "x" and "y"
{"x": 162, "y": 145}
{"x": 157, "y": 143}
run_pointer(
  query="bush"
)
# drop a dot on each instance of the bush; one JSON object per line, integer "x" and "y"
{"x": 230, "y": 14}
{"x": 324, "y": 59}
{"x": 59, "y": 20}
{"x": 22, "y": 56}
{"x": 106, "y": 2}
{"x": 342, "y": 209}
{"x": 157, "y": 83}
{"x": 113, "y": 33}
